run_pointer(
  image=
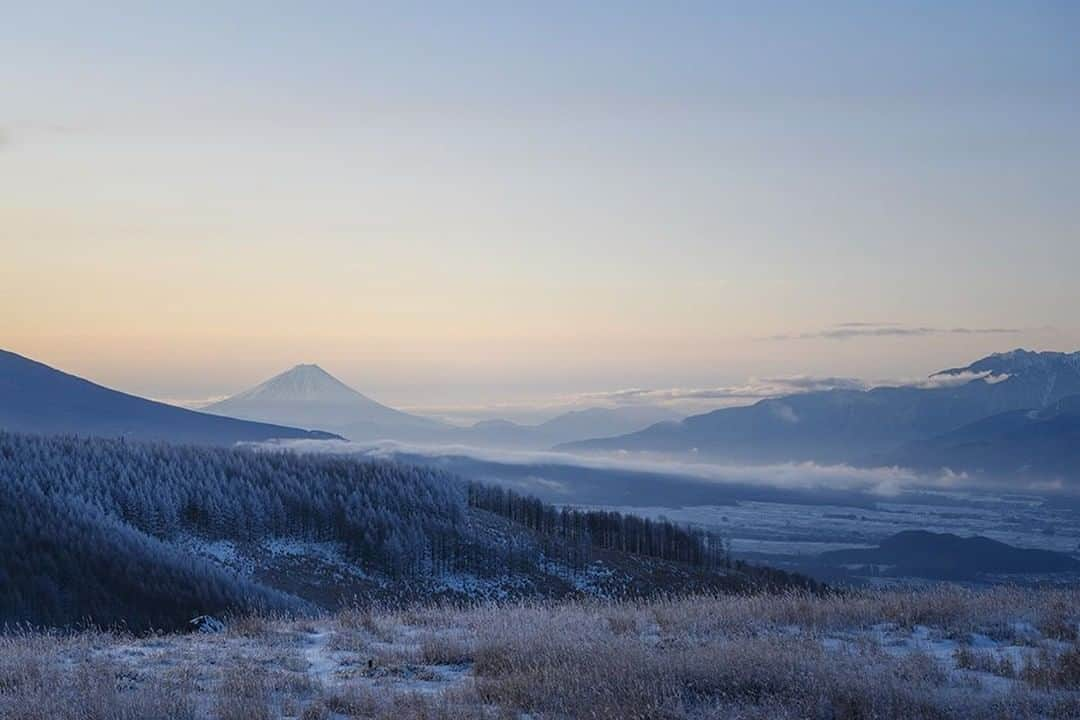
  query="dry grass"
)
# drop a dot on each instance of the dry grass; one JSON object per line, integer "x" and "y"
{"x": 1049, "y": 669}
{"x": 244, "y": 694}
{"x": 446, "y": 648}
{"x": 984, "y": 661}
{"x": 864, "y": 655}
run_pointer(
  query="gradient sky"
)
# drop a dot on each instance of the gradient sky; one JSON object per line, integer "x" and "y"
{"x": 453, "y": 204}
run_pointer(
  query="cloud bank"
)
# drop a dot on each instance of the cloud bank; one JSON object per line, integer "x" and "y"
{"x": 849, "y": 330}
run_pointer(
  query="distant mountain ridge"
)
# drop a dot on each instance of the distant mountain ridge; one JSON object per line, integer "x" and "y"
{"x": 35, "y": 398}
{"x": 854, "y": 426}
{"x": 308, "y": 396}
{"x": 566, "y": 427}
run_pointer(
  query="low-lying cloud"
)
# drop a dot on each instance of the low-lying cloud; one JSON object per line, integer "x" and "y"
{"x": 753, "y": 389}
{"x": 770, "y": 388}
{"x": 882, "y": 481}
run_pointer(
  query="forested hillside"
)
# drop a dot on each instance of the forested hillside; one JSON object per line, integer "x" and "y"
{"x": 86, "y": 523}
{"x": 101, "y": 531}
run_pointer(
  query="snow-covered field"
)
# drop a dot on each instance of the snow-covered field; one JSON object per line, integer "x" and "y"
{"x": 765, "y": 531}
{"x": 941, "y": 653}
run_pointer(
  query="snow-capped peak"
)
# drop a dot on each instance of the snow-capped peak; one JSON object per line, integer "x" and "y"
{"x": 301, "y": 383}
{"x": 312, "y": 397}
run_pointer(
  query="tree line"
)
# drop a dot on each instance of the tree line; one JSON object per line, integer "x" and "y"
{"x": 581, "y": 530}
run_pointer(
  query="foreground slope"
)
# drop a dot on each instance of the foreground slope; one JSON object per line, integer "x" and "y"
{"x": 36, "y": 398}
{"x": 946, "y": 654}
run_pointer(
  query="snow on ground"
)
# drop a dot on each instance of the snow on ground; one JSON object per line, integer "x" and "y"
{"x": 330, "y": 555}
{"x": 500, "y": 587}
{"x": 222, "y": 552}
{"x": 592, "y": 580}
{"x": 1005, "y": 652}
{"x": 774, "y": 528}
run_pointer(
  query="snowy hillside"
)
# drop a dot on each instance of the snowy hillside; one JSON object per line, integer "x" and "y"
{"x": 147, "y": 536}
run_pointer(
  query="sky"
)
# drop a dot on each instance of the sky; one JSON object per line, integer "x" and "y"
{"x": 476, "y": 205}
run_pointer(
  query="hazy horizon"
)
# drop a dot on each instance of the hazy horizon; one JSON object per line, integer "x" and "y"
{"x": 508, "y": 206}
{"x": 678, "y": 401}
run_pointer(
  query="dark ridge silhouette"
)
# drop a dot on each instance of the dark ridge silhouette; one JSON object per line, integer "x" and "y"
{"x": 35, "y": 398}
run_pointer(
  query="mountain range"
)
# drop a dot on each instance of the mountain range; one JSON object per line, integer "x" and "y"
{"x": 1008, "y": 414}
{"x": 35, "y": 398}
{"x": 566, "y": 427}
{"x": 308, "y": 396}
{"x": 989, "y": 415}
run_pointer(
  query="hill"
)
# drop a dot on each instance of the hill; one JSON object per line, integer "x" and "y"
{"x": 36, "y": 398}
{"x": 308, "y": 396}
{"x": 853, "y": 426}
{"x": 946, "y": 556}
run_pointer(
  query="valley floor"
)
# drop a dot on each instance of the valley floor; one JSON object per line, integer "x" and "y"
{"x": 941, "y": 653}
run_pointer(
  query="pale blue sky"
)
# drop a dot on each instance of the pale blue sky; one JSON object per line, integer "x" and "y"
{"x": 449, "y": 204}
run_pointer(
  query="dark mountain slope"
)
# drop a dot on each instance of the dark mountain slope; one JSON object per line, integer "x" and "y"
{"x": 1043, "y": 444}
{"x": 36, "y": 398}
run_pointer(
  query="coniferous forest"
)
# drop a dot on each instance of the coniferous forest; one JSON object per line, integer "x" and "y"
{"x": 88, "y": 527}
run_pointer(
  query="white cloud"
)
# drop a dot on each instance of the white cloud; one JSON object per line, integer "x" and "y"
{"x": 190, "y": 403}
{"x": 960, "y": 378}
{"x": 752, "y": 390}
